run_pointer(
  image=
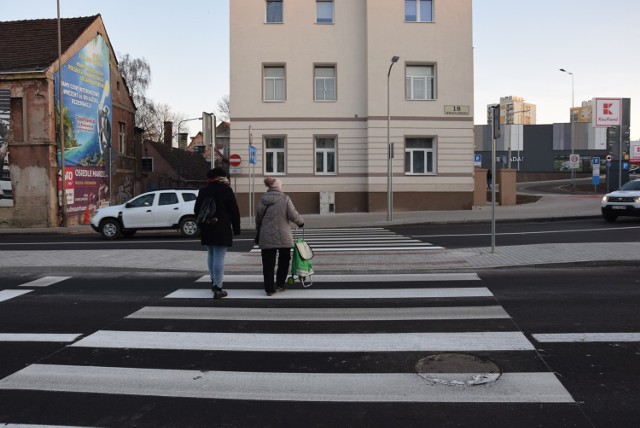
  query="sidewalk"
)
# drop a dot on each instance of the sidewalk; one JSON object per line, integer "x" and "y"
{"x": 548, "y": 207}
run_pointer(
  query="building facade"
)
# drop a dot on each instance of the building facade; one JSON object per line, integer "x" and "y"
{"x": 99, "y": 163}
{"x": 513, "y": 111}
{"x": 320, "y": 99}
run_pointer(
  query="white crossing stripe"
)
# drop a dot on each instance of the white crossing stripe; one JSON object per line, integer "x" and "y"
{"x": 45, "y": 281}
{"x": 587, "y": 337}
{"x": 343, "y": 293}
{"x": 38, "y": 337}
{"x": 10, "y": 294}
{"x": 268, "y": 386}
{"x": 315, "y": 342}
{"x": 320, "y": 314}
{"x": 383, "y": 277}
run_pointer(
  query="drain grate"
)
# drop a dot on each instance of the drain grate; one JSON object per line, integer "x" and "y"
{"x": 457, "y": 369}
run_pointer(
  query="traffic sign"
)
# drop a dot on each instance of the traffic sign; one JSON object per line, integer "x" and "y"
{"x": 252, "y": 154}
{"x": 595, "y": 160}
{"x": 477, "y": 160}
{"x": 574, "y": 161}
{"x": 235, "y": 160}
{"x": 609, "y": 158}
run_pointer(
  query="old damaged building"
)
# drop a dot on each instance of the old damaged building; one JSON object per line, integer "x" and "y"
{"x": 99, "y": 156}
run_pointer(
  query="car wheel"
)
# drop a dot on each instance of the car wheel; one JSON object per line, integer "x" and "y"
{"x": 110, "y": 229}
{"x": 188, "y": 227}
{"x": 610, "y": 217}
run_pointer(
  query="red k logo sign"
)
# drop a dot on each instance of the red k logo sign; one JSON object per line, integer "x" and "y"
{"x": 606, "y": 108}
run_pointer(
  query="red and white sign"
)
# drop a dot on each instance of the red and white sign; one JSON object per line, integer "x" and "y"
{"x": 635, "y": 151}
{"x": 608, "y": 111}
{"x": 235, "y": 160}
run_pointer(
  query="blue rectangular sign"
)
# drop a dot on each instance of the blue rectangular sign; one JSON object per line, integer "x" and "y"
{"x": 252, "y": 154}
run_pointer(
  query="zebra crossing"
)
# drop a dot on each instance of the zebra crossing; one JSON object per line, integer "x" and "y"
{"x": 360, "y": 240}
{"x": 322, "y": 345}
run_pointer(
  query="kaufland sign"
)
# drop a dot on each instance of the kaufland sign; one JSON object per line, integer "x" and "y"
{"x": 608, "y": 111}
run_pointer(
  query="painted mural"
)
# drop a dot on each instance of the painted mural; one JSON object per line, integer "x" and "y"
{"x": 86, "y": 118}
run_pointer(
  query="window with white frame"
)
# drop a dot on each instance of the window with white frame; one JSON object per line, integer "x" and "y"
{"x": 324, "y": 11}
{"x": 325, "y": 155}
{"x": 420, "y": 82}
{"x": 274, "y": 83}
{"x": 418, "y": 10}
{"x": 274, "y": 11}
{"x": 274, "y": 155}
{"x": 121, "y": 137}
{"x": 325, "y": 82}
{"x": 419, "y": 155}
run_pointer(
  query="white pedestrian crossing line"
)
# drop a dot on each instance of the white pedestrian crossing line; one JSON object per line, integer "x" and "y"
{"x": 267, "y": 386}
{"x": 45, "y": 281}
{"x": 38, "y": 337}
{"x": 587, "y": 337}
{"x": 10, "y": 294}
{"x": 314, "y": 342}
{"x": 360, "y": 239}
{"x": 320, "y": 314}
{"x": 342, "y": 293}
{"x": 382, "y": 277}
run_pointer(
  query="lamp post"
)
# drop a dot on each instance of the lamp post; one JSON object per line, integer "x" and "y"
{"x": 394, "y": 59}
{"x": 572, "y": 122}
{"x": 180, "y": 149}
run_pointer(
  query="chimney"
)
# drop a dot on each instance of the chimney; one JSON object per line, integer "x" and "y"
{"x": 168, "y": 134}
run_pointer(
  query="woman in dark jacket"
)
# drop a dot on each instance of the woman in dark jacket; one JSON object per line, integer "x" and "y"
{"x": 218, "y": 236}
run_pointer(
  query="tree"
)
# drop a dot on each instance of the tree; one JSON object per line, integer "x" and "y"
{"x": 150, "y": 116}
{"x": 224, "y": 108}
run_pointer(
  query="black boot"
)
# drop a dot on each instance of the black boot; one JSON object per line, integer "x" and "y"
{"x": 218, "y": 293}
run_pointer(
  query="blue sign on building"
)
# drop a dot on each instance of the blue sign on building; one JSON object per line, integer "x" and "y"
{"x": 252, "y": 155}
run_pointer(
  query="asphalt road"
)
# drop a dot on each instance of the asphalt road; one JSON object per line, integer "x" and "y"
{"x": 155, "y": 350}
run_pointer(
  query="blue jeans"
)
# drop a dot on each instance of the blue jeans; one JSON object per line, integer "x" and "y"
{"x": 215, "y": 262}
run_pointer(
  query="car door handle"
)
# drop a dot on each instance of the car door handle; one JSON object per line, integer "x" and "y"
{"x": 176, "y": 209}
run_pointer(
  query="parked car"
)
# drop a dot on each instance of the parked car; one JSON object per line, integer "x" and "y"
{"x": 623, "y": 202}
{"x": 160, "y": 209}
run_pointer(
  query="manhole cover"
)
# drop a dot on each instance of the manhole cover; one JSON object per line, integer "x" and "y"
{"x": 457, "y": 369}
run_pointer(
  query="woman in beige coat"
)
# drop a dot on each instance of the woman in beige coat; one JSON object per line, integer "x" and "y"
{"x": 275, "y": 211}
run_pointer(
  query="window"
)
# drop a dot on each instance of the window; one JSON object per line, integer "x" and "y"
{"x": 274, "y": 11}
{"x": 274, "y": 155}
{"x": 142, "y": 201}
{"x": 189, "y": 196}
{"x": 325, "y": 155}
{"x": 325, "y": 83}
{"x": 121, "y": 139}
{"x": 420, "y": 82}
{"x": 419, "y": 156}
{"x": 168, "y": 199}
{"x": 418, "y": 10}
{"x": 147, "y": 164}
{"x": 324, "y": 11}
{"x": 274, "y": 83}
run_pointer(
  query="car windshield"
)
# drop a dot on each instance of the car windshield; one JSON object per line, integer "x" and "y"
{"x": 631, "y": 185}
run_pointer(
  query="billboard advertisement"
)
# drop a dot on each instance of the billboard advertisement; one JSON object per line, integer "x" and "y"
{"x": 6, "y": 191}
{"x": 86, "y": 117}
{"x": 608, "y": 111}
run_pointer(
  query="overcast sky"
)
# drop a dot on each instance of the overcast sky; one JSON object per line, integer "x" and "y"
{"x": 518, "y": 48}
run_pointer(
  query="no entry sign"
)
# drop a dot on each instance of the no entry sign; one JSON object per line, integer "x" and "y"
{"x": 235, "y": 160}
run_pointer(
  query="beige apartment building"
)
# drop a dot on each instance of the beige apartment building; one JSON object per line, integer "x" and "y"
{"x": 513, "y": 111}
{"x": 315, "y": 91}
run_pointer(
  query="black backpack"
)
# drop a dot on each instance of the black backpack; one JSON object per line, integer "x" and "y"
{"x": 207, "y": 214}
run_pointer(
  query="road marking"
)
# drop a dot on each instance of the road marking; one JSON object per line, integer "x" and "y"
{"x": 315, "y": 342}
{"x": 10, "y": 294}
{"x": 587, "y": 337}
{"x": 386, "y": 293}
{"x": 407, "y": 247}
{"x": 364, "y": 278}
{"x": 37, "y": 337}
{"x": 303, "y": 387}
{"x": 45, "y": 281}
{"x": 320, "y": 314}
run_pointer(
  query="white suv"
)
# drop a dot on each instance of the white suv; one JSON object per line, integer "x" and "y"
{"x": 623, "y": 202}
{"x": 160, "y": 209}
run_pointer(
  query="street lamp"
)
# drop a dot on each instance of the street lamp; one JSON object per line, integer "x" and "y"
{"x": 179, "y": 148}
{"x": 572, "y": 122}
{"x": 394, "y": 59}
